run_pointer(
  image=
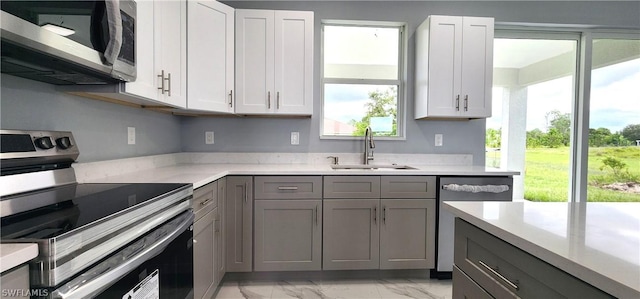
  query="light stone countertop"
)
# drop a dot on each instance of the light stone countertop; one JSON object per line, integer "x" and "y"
{"x": 201, "y": 174}
{"x": 598, "y": 243}
{"x": 12, "y": 255}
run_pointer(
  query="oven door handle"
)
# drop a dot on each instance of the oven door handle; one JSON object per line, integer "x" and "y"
{"x": 105, "y": 274}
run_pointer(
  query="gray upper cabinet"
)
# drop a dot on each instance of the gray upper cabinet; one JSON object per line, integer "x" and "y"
{"x": 351, "y": 187}
{"x": 238, "y": 223}
{"x": 288, "y": 235}
{"x": 351, "y": 234}
{"x": 407, "y": 234}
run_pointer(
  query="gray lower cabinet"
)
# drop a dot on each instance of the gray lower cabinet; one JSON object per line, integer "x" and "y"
{"x": 351, "y": 234}
{"x": 388, "y": 224}
{"x": 465, "y": 287}
{"x": 15, "y": 282}
{"x": 238, "y": 223}
{"x": 204, "y": 245}
{"x": 219, "y": 233}
{"x": 505, "y": 271}
{"x": 203, "y": 255}
{"x": 407, "y": 234}
{"x": 287, "y": 235}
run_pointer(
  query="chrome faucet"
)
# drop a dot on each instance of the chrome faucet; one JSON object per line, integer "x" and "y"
{"x": 368, "y": 155}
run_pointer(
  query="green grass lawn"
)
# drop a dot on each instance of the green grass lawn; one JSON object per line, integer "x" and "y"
{"x": 547, "y": 173}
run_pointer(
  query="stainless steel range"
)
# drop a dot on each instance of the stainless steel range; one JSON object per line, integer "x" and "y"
{"x": 94, "y": 240}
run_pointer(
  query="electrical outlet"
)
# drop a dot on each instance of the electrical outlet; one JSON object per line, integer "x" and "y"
{"x": 295, "y": 138}
{"x": 131, "y": 135}
{"x": 208, "y": 137}
{"x": 438, "y": 141}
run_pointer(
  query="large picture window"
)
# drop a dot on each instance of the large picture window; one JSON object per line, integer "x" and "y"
{"x": 362, "y": 80}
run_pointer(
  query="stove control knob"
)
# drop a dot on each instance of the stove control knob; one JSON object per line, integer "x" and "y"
{"x": 44, "y": 142}
{"x": 64, "y": 142}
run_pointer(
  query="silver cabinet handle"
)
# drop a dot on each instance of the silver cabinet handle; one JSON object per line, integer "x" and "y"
{"x": 511, "y": 284}
{"x": 316, "y": 211}
{"x": 278, "y": 100}
{"x": 216, "y": 225}
{"x": 268, "y": 100}
{"x": 161, "y": 76}
{"x": 466, "y": 102}
{"x": 458, "y": 103}
{"x": 204, "y": 203}
{"x": 246, "y": 192}
{"x": 231, "y": 98}
{"x": 375, "y": 215}
{"x": 287, "y": 188}
{"x": 169, "y": 85}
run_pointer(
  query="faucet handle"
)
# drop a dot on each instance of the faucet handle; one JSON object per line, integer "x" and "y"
{"x": 335, "y": 159}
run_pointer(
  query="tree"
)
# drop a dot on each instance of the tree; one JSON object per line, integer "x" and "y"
{"x": 493, "y": 138}
{"x": 631, "y": 132}
{"x": 599, "y": 137}
{"x": 561, "y": 122}
{"x": 534, "y": 138}
{"x": 381, "y": 104}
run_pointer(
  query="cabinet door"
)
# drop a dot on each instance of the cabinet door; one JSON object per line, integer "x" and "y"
{"x": 203, "y": 258}
{"x": 219, "y": 232}
{"x": 294, "y": 62}
{"x": 444, "y": 54}
{"x": 170, "y": 51}
{"x": 477, "y": 69}
{"x": 350, "y": 234}
{"x": 210, "y": 56}
{"x": 407, "y": 234}
{"x": 254, "y": 61}
{"x": 287, "y": 235}
{"x": 146, "y": 83}
{"x": 238, "y": 223}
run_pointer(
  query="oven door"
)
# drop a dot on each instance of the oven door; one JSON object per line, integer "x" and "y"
{"x": 157, "y": 265}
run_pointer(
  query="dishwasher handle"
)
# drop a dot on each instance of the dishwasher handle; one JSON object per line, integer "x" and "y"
{"x": 476, "y": 188}
{"x": 97, "y": 279}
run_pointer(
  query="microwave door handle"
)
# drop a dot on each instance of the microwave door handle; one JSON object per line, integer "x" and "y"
{"x": 96, "y": 280}
{"x": 114, "y": 19}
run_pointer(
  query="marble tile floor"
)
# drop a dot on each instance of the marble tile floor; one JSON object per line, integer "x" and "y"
{"x": 325, "y": 289}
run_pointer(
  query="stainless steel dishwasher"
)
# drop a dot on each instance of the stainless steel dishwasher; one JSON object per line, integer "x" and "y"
{"x": 463, "y": 189}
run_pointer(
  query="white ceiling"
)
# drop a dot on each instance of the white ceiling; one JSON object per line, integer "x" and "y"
{"x": 519, "y": 53}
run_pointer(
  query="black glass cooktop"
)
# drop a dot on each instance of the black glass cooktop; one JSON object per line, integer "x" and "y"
{"x": 73, "y": 206}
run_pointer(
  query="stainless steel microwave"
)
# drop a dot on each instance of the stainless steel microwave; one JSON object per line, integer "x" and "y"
{"x": 69, "y": 42}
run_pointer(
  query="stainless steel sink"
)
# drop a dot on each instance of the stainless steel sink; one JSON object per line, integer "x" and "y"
{"x": 371, "y": 167}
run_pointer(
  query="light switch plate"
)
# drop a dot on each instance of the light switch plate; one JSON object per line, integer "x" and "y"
{"x": 208, "y": 137}
{"x": 131, "y": 135}
{"x": 295, "y": 138}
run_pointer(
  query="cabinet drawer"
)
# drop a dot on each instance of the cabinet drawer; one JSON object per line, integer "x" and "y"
{"x": 288, "y": 187}
{"x": 351, "y": 187}
{"x": 505, "y": 271}
{"x": 465, "y": 287}
{"x": 408, "y": 187}
{"x": 205, "y": 199}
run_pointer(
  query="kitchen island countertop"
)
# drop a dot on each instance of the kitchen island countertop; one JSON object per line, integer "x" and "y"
{"x": 12, "y": 255}
{"x": 598, "y": 243}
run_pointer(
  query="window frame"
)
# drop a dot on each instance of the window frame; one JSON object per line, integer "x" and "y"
{"x": 579, "y": 143}
{"x": 401, "y": 82}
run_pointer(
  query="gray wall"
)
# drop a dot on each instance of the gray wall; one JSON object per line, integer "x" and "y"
{"x": 460, "y": 137}
{"x": 100, "y": 128}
